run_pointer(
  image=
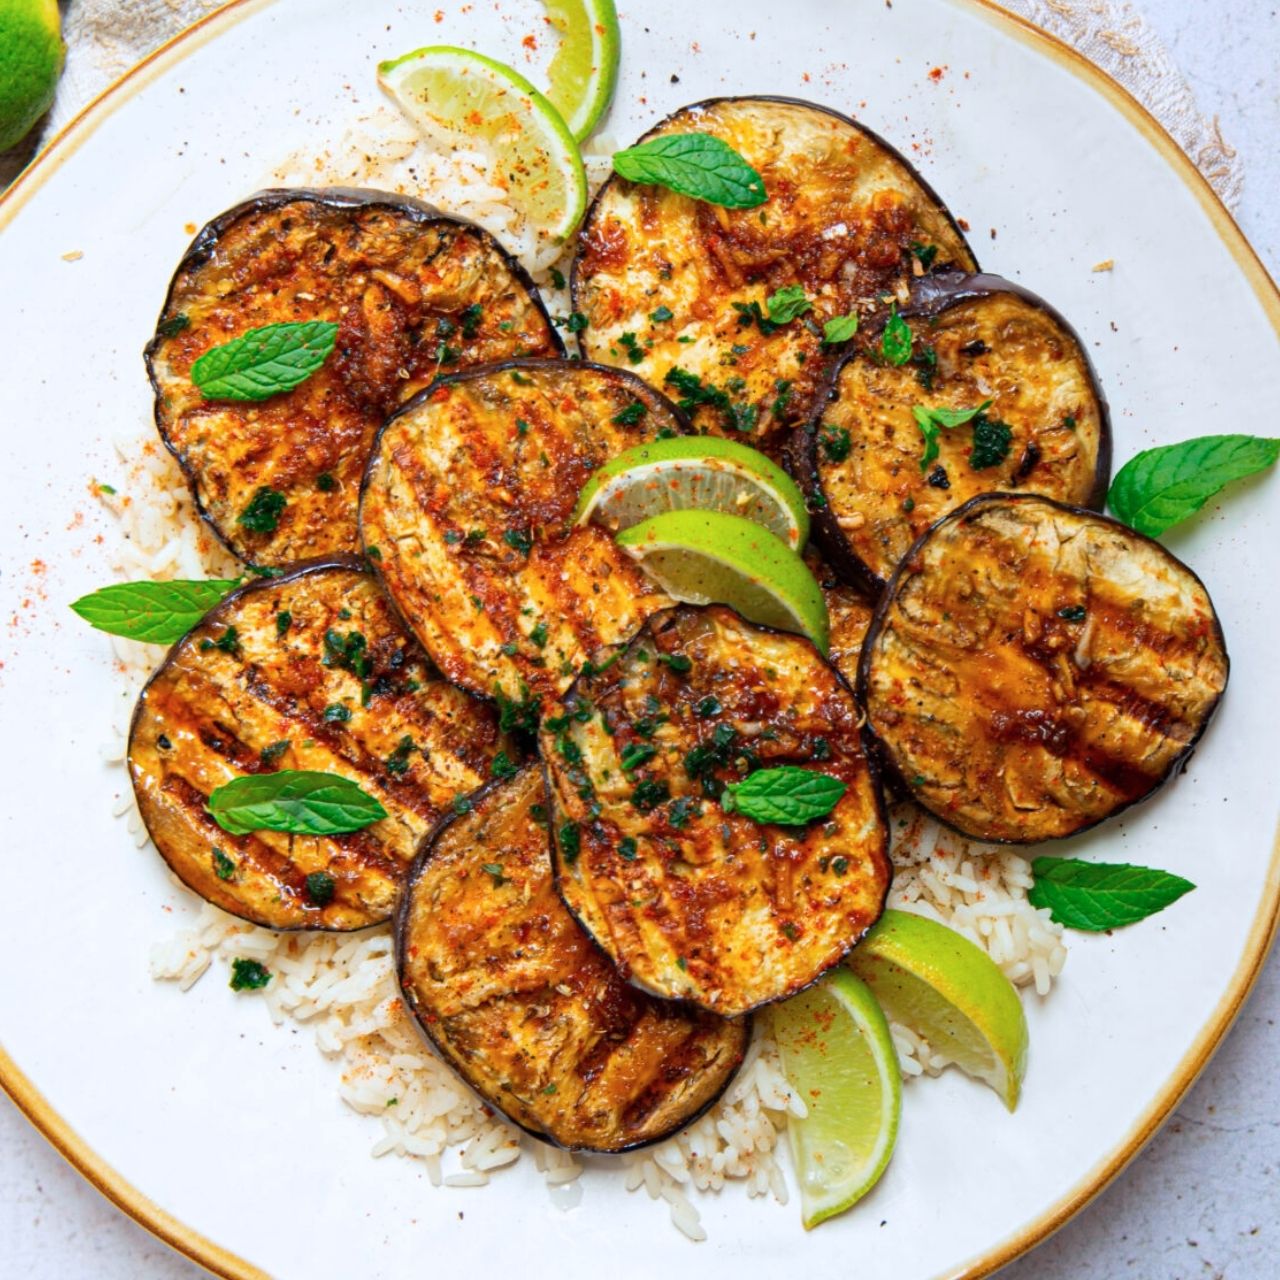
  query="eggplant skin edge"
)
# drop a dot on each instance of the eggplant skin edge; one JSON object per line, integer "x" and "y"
{"x": 206, "y": 241}
{"x": 780, "y": 100}
{"x": 931, "y": 295}
{"x": 400, "y": 925}
{"x": 892, "y": 775}
{"x": 878, "y": 777}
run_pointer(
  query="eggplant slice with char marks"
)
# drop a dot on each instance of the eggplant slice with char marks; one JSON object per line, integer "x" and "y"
{"x": 691, "y": 902}
{"x": 414, "y": 293}
{"x": 1035, "y": 668}
{"x": 678, "y": 289}
{"x": 974, "y": 339}
{"x": 466, "y": 512}
{"x": 525, "y": 1007}
{"x": 311, "y": 670}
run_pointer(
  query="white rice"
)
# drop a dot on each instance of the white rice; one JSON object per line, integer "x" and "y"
{"x": 343, "y": 986}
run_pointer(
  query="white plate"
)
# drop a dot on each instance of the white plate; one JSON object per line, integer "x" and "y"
{"x": 212, "y": 1126}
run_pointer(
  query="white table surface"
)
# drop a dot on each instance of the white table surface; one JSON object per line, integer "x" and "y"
{"x": 1202, "y": 1202}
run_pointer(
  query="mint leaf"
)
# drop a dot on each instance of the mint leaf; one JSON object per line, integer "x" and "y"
{"x": 156, "y": 612}
{"x": 930, "y": 420}
{"x": 788, "y": 795}
{"x": 787, "y": 304}
{"x": 1161, "y": 487}
{"x": 1094, "y": 896}
{"x": 693, "y": 164}
{"x": 300, "y": 801}
{"x": 262, "y": 363}
{"x": 839, "y": 329}
{"x": 895, "y": 341}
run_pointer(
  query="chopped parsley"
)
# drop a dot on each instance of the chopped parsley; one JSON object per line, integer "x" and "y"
{"x": 461, "y": 804}
{"x": 347, "y": 653}
{"x": 630, "y": 344}
{"x": 708, "y": 706}
{"x": 336, "y": 713}
{"x": 570, "y": 842}
{"x": 248, "y": 975}
{"x": 174, "y": 325}
{"x": 520, "y": 540}
{"x": 273, "y": 751}
{"x": 661, "y": 315}
{"x": 557, "y": 278}
{"x": 320, "y": 887}
{"x": 284, "y": 620}
{"x": 325, "y": 482}
{"x": 835, "y": 441}
{"x": 649, "y": 794}
{"x": 895, "y": 341}
{"x": 680, "y": 663}
{"x": 991, "y": 441}
{"x": 228, "y": 642}
{"x": 518, "y": 714}
{"x": 263, "y": 511}
{"x": 627, "y": 848}
{"x": 634, "y": 754}
{"x": 924, "y": 254}
{"x": 1073, "y": 613}
{"x": 398, "y": 761}
{"x": 495, "y": 870}
{"x": 470, "y": 320}
{"x": 630, "y": 414}
{"x": 539, "y": 635}
{"x": 503, "y": 766}
{"x": 576, "y": 322}
{"x": 223, "y": 867}
{"x": 682, "y": 809}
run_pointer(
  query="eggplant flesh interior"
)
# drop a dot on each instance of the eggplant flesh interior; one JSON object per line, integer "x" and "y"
{"x": 467, "y": 511}
{"x": 1032, "y": 419}
{"x": 414, "y": 294}
{"x": 679, "y": 289}
{"x": 522, "y": 1004}
{"x": 1035, "y": 668}
{"x": 694, "y": 902}
{"x": 310, "y": 671}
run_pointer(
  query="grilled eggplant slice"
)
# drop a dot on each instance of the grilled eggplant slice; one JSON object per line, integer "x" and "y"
{"x": 668, "y": 283}
{"x": 974, "y": 339}
{"x": 693, "y": 903}
{"x": 415, "y": 294}
{"x": 521, "y": 1002}
{"x": 311, "y": 670}
{"x": 466, "y": 509}
{"x": 1035, "y": 668}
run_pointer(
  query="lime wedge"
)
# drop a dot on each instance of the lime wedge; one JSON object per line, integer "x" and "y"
{"x": 695, "y": 472}
{"x": 459, "y": 98}
{"x": 939, "y": 984}
{"x": 585, "y": 68}
{"x": 838, "y": 1055}
{"x": 702, "y": 557}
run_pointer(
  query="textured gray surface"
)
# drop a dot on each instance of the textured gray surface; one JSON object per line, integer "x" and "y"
{"x": 1203, "y": 1200}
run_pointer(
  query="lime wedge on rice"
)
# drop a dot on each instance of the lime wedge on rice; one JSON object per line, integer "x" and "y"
{"x": 695, "y": 472}
{"x": 705, "y": 557}
{"x": 459, "y": 98}
{"x": 940, "y": 985}
{"x": 838, "y": 1055}
{"x": 584, "y": 70}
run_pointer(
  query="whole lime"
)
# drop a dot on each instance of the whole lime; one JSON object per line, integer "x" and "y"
{"x": 31, "y": 53}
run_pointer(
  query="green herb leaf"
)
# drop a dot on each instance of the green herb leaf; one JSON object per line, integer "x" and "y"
{"x": 693, "y": 164}
{"x": 924, "y": 253}
{"x": 634, "y": 754}
{"x": 630, "y": 414}
{"x": 789, "y": 303}
{"x": 991, "y": 441}
{"x": 1162, "y": 487}
{"x": 895, "y": 341}
{"x": 263, "y": 511}
{"x": 570, "y": 842}
{"x": 836, "y": 442}
{"x": 788, "y": 795}
{"x": 320, "y": 888}
{"x": 503, "y": 766}
{"x": 930, "y": 420}
{"x": 248, "y": 975}
{"x": 156, "y": 612}
{"x": 840, "y": 329}
{"x": 264, "y": 362}
{"x": 223, "y": 867}
{"x": 661, "y": 315}
{"x": 1095, "y": 896}
{"x": 300, "y": 801}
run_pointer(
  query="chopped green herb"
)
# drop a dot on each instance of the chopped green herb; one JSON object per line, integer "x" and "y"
{"x": 284, "y": 620}
{"x": 1073, "y": 613}
{"x": 924, "y": 253}
{"x": 273, "y": 751}
{"x": 557, "y": 278}
{"x": 495, "y": 870}
{"x": 320, "y": 888}
{"x": 576, "y": 322}
{"x": 835, "y": 441}
{"x": 930, "y": 421}
{"x": 398, "y": 761}
{"x": 991, "y": 441}
{"x": 223, "y": 867}
{"x": 228, "y": 642}
{"x": 708, "y": 706}
{"x": 650, "y": 793}
{"x": 347, "y": 653}
{"x": 325, "y": 482}
{"x": 174, "y": 325}
{"x": 470, "y": 320}
{"x": 520, "y": 540}
{"x": 570, "y": 842}
{"x": 630, "y": 344}
{"x": 518, "y": 714}
{"x": 840, "y": 865}
{"x": 462, "y": 804}
{"x": 107, "y": 489}
{"x": 680, "y": 663}
{"x": 635, "y": 754}
{"x": 840, "y": 329}
{"x": 682, "y": 809}
{"x": 503, "y": 766}
{"x": 627, "y": 848}
{"x": 248, "y": 975}
{"x": 539, "y": 635}
{"x": 895, "y": 341}
{"x": 661, "y": 315}
{"x": 630, "y": 414}
{"x": 336, "y": 713}
{"x": 263, "y": 511}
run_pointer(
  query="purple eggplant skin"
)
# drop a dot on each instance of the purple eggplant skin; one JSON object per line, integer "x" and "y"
{"x": 896, "y": 777}
{"x": 213, "y": 710}
{"x": 931, "y": 297}
{"x": 318, "y": 434}
{"x": 491, "y": 1040}
{"x": 795, "y": 353}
